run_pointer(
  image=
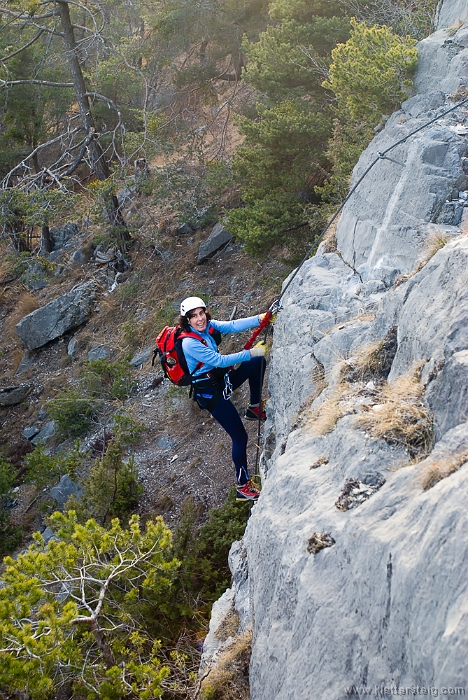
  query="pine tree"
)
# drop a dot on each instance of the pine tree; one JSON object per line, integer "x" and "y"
{"x": 70, "y": 616}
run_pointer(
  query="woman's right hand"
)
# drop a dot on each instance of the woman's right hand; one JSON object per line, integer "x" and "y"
{"x": 259, "y": 350}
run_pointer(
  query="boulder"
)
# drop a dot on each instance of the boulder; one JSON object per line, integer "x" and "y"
{"x": 142, "y": 357}
{"x": 47, "y": 432}
{"x": 61, "y": 236}
{"x": 65, "y": 488}
{"x": 100, "y": 352}
{"x": 184, "y": 229}
{"x": 13, "y": 395}
{"x": 35, "y": 276}
{"x": 30, "y": 432}
{"x": 71, "y": 347}
{"x": 83, "y": 254}
{"x": 57, "y": 317}
{"x": 217, "y": 238}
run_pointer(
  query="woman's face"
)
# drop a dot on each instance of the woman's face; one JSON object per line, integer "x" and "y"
{"x": 197, "y": 319}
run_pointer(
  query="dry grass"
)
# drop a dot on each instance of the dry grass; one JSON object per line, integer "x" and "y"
{"x": 401, "y": 417}
{"x": 229, "y": 678}
{"x": 453, "y": 29}
{"x": 324, "y": 419}
{"x": 25, "y": 305}
{"x": 228, "y": 626}
{"x": 329, "y": 243}
{"x": 317, "y": 542}
{"x": 373, "y": 361}
{"x": 432, "y": 244}
{"x": 437, "y": 469}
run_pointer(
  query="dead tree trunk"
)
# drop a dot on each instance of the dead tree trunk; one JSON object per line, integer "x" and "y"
{"x": 99, "y": 163}
{"x": 46, "y": 239}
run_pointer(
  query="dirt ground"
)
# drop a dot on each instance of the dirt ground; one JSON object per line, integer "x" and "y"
{"x": 183, "y": 453}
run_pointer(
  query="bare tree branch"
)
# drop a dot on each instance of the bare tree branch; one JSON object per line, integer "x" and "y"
{"x": 23, "y": 48}
{"x": 31, "y": 81}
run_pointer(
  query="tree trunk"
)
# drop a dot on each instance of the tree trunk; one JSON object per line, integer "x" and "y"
{"x": 103, "y": 644}
{"x": 99, "y": 163}
{"x": 46, "y": 240}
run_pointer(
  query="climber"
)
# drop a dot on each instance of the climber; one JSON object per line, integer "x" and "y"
{"x": 213, "y": 392}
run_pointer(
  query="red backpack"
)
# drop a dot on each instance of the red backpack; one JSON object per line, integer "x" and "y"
{"x": 171, "y": 355}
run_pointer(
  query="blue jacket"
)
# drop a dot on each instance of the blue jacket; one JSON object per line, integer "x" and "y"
{"x": 195, "y": 351}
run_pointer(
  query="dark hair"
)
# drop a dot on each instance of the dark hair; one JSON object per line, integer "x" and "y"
{"x": 184, "y": 321}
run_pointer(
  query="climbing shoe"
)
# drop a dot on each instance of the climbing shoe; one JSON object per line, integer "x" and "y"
{"x": 246, "y": 492}
{"x": 254, "y": 413}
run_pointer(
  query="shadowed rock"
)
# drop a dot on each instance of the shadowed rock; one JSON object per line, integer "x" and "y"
{"x": 217, "y": 238}
{"x": 56, "y": 318}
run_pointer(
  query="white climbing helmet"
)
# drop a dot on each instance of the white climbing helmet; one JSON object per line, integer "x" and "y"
{"x": 190, "y": 304}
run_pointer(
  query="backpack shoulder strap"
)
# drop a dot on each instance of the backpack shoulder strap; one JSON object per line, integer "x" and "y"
{"x": 190, "y": 334}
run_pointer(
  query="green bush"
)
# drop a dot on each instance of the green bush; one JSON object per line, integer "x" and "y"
{"x": 111, "y": 489}
{"x": 42, "y": 468}
{"x": 128, "y": 430}
{"x": 72, "y": 412}
{"x": 10, "y": 535}
{"x": 369, "y": 75}
{"x": 103, "y": 379}
{"x": 203, "y": 551}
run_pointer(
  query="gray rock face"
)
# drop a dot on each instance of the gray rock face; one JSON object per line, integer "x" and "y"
{"x": 56, "y": 318}
{"x": 217, "y": 238}
{"x": 142, "y": 357}
{"x": 384, "y": 225}
{"x": 100, "y": 352}
{"x": 61, "y": 236}
{"x": 375, "y": 608}
{"x": 13, "y": 395}
{"x": 450, "y": 12}
{"x": 47, "y": 432}
{"x": 65, "y": 488}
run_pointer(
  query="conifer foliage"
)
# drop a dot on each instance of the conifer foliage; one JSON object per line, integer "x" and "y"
{"x": 70, "y": 612}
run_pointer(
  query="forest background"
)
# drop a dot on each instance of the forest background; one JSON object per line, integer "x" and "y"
{"x": 246, "y": 111}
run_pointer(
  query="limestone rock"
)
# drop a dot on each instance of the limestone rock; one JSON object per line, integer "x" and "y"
{"x": 142, "y": 357}
{"x": 57, "y": 317}
{"x": 217, "y": 238}
{"x": 384, "y": 225}
{"x": 13, "y": 395}
{"x": 61, "y": 236}
{"x": 65, "y": 488}
{"x": 47, "y": 432}
{"x": 377, "y": 608}
{"x": 100, "y": 352}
